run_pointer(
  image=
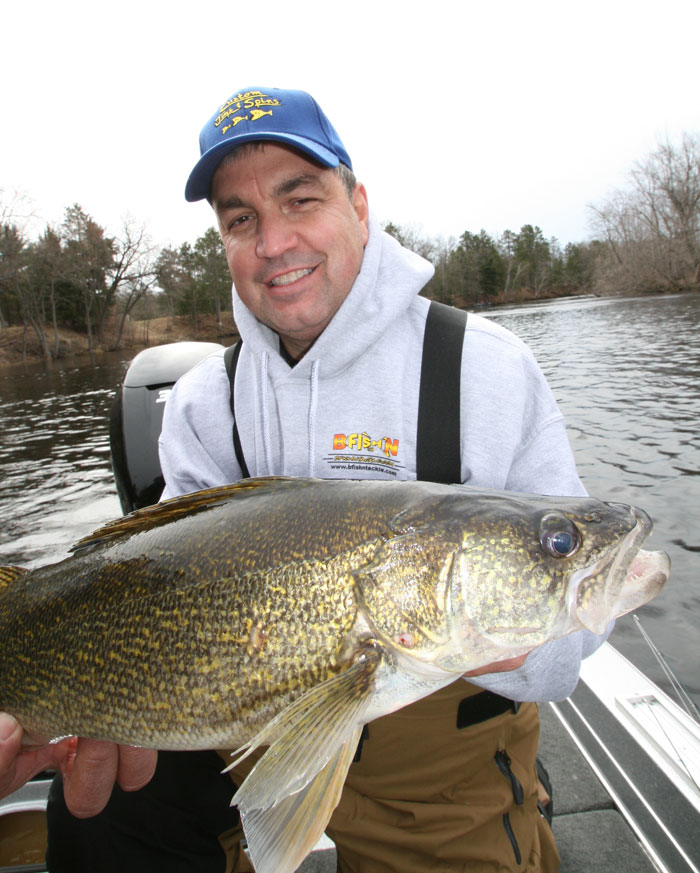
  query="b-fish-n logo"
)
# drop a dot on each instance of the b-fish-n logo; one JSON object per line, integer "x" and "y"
{"x": 360, "y": 452}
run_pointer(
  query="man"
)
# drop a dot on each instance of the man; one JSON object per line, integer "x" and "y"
{"x": 327, "y": 385}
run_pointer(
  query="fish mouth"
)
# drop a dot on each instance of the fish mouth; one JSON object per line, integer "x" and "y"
{"x": 621, "y": 581}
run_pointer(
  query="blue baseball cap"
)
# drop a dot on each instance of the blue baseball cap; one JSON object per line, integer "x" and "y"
{"x": 272, "y": 114}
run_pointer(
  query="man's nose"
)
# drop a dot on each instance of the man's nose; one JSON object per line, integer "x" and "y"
{"x": 276, "y": 235}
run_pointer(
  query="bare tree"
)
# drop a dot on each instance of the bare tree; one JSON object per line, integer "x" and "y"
{"x": 16, "y": 208}
{"x": 89, "y": 255}
{"x": 132, "y": 275}
{"x": 16, "y": 283}
{"x": 16, "y": 212}
{"x": 46, "y": 271}
{"x": 652, "y": 228}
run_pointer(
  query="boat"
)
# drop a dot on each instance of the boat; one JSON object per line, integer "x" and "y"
{"x": 623, "y": 756}
{"x": 640, "y": 750}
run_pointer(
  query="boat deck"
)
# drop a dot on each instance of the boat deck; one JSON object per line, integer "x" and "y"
{"x": 590, "y": 831}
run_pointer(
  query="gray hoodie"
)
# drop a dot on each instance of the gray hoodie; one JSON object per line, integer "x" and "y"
{"x": 348, "y": 409}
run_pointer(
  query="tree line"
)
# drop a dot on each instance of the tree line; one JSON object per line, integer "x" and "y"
{"x": 478, "y": 270}
{"x": 79, "y": 277}
{"x": 646, "y": 240}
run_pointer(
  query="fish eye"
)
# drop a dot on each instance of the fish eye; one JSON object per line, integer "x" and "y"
{"x": 559, "y": 536}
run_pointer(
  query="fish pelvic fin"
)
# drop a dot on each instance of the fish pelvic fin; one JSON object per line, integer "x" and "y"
{"x": 288, "y": 797}
{"x": 281, "y": 837}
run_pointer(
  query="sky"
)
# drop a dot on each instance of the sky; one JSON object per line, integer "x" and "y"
{"x": 457, "y": 115}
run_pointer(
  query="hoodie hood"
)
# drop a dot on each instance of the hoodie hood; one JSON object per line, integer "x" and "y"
{"x": 389, "y": 280}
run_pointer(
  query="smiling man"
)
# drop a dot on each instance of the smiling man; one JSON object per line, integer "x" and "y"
{"x": 294, "y": 239}
{"x": 328, "y": 384}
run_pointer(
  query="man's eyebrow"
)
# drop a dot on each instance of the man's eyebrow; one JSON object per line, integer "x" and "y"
{"x": 290, "y": 185}
{"x": 232, "y": 202}
{"x": 286, "y": 187}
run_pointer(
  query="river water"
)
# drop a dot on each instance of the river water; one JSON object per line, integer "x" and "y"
{"x": 626, "y": 373}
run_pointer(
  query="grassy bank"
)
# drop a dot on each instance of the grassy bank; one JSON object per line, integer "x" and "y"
{"x": 19, "y": 345}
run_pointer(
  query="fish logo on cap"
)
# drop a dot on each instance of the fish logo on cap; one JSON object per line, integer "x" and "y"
{"x": 251, "y": 101}
{"x": 290, "y": 117}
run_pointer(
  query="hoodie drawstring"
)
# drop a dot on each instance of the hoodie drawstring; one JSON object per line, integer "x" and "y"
{"x": 264, "y": 392}
{"x": 265, "y": 414}
{"x": 313, "y": 404}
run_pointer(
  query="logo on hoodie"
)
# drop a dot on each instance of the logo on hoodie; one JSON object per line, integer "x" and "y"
{"x": 360, "y": 452}
{"x": 364, "y": 442}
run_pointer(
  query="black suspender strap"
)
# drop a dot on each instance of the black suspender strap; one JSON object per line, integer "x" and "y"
{"x": 439, "y": 436}
{"x": 231, "y": 360}
{"x": 439, "y": 439}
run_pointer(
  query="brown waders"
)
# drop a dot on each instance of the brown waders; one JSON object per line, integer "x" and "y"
{"x": 429, "y": 795}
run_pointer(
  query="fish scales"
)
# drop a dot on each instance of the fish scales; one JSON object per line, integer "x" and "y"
{"x": 182, "y": 670}
{"x": 287, "y": 613}
{"x": 188, "y": 640}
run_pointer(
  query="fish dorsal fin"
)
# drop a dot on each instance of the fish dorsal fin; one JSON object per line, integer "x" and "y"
{"x": 9, "y": 573}
{"x": 290, "y": 794}
{"x": 187, "y": 504}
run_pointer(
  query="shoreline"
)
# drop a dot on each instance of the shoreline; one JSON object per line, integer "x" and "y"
{"x": 20, "y": 347}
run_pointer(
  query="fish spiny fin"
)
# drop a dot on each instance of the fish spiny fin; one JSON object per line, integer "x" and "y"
{"x": 187, "y": 504}
{"x": 281, "y": 837}
{"x": 307, "y": 734}
{"x": 8, "y": 574}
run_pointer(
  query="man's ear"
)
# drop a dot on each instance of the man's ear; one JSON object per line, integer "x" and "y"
{"x": 361, "y": 207}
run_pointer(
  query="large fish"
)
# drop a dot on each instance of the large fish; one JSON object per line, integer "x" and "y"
{"x": 289, "y": 612}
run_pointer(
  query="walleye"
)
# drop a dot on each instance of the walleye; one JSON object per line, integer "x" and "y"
{"x": 289, "y": 612}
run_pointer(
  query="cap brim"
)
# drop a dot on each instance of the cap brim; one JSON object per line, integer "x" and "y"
{"x": 199, "y": 182}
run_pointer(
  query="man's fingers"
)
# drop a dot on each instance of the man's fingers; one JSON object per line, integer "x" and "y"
{"x": 89, "y": 767}
{"x": 88, "y": 782}
{"x": 10, "y": 743}
{"x": 136, "y": 767}
{"x": 504, "y": 666}
{"x": 10, "y": 740}
{"x": 19, "y": 763}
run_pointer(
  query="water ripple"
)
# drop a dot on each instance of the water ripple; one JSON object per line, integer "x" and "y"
{"x": 626, "y": 374}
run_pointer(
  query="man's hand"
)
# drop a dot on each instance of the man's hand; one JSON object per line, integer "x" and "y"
{"x": 89, "y": 767}
{"x": 499, "y": 666}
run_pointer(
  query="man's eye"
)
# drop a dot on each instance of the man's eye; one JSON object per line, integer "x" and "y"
{"x": 239, "y": 222}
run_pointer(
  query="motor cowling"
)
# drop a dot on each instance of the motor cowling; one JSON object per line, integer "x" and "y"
{"x": 136, "y": 418}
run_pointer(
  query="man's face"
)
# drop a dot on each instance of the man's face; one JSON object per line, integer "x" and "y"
{"x": 294, "y": 240}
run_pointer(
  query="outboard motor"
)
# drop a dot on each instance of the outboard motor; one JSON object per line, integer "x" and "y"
{"x": 137, "y": 416}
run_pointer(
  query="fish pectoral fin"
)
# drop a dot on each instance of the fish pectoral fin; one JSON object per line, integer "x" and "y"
{"x": 279, "y": 838}
{"x": 307, "y": 734}
{"x": 290, "y": 794}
